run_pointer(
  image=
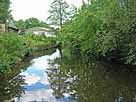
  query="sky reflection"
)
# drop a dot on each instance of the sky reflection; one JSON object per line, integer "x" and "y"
{"x": 38, "y": 86}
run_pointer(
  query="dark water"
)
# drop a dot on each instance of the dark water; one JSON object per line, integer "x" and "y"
{"x": 70, "y": 80}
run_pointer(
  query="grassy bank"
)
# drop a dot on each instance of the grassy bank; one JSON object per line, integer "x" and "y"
{"x": 14, "y": 48}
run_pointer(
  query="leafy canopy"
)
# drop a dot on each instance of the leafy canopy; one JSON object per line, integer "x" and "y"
{"x": 104, "y": 28}
{"x": 4, "y": 10}
{"x": 30, "y": 23}
{"x": 60, "y": 12}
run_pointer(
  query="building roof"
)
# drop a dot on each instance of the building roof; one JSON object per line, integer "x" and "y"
{"x": 40, "y": 28}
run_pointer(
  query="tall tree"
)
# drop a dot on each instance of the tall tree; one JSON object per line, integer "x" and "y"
{"x": 59, "y": 11}
{"x": 4, "y": 10}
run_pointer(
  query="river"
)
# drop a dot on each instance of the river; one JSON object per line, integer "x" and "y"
{"x": 52, "y": 79}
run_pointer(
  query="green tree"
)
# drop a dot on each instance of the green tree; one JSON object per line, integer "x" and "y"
{"x": 34, "y": 22}
{"x": 31, "y": 22}
{"x": 4, "y": 10}
{"x": 103, "y": 29}
{"x": 59, "y": 11}
{"x": 20, "y": 24}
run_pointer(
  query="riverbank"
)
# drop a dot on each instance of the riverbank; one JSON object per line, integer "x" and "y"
{"x": 16, "y": 48}
{"x": 12, "y": 85}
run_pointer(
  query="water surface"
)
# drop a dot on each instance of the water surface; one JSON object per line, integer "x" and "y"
{"x": 38, "y": 88}
{"x": 50, "y": 78}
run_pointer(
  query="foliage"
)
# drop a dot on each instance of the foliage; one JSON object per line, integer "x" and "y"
{"x": 12, "y": 50}
{"x": 15, "y": 47}
{"x": 60, "y": 12}
{"x": 34, "y": 22}
{"x": 20, "y": 24}
{"x": 30, "y": 23}
{"x": 38, "y": 40}
{"x": 103, "y": 29}
{"x": 4, "y": 10}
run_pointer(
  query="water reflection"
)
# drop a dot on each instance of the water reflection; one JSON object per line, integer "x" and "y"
{"x": 38, "y": 88}
{"x": 94, "y": 82}
{"x": 71, "y": 80}
{"x": 11, "y": 88}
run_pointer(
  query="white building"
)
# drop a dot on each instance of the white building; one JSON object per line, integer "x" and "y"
{"x": 41, "y": 31}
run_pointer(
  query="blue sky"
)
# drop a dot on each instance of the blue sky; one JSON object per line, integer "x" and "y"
{"x": 23, "y": 9}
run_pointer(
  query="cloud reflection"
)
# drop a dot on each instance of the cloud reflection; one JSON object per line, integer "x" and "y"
{"x": 38, "y": 86}
{"x": 38, "y": 95}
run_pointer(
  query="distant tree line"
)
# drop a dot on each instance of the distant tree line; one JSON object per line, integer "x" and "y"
{"x": 30, "y": 22}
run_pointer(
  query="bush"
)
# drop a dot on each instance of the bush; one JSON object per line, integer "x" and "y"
{"x": 12, "y": 50}
{"x": 105, "y": 28}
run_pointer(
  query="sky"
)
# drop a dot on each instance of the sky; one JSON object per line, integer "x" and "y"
{"x": 23, "y": 9}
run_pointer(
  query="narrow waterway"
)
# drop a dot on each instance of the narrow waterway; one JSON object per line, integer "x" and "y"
{"x": 37, "y": 87}
{"x": 51, "y": 79}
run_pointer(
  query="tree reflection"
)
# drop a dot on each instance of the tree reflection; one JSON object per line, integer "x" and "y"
{"x": 93, "y": 82}
{"x": 60, "y": 81}
{"x": 10, "y": 89}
